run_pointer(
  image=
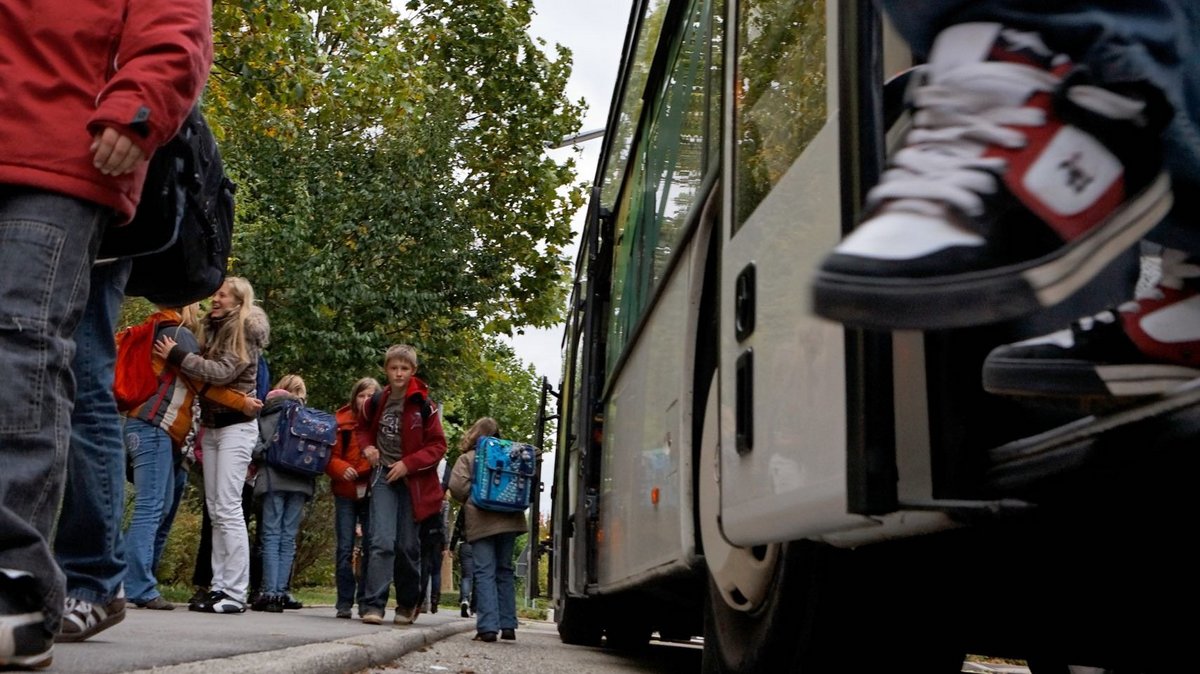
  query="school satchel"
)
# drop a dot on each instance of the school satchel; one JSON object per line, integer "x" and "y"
{"x": 181, "y": 236}
{"x": 134, "y": 380}
{"x": 303, "y": 440}
{"x": 504, "y": 471}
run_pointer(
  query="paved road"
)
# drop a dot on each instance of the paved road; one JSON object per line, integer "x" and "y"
{"x": 310, "y": 640}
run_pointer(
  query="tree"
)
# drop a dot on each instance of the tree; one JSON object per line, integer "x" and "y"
{"x": 392, "y": 180}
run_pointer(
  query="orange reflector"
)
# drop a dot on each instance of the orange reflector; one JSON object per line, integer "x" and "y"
{"x": 654, "y": 496}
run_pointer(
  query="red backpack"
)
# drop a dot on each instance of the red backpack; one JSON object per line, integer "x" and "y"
{"x": 134, "y": 379}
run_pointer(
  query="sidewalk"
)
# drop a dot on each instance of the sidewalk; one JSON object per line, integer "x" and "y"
{"x": 308, "y": 640}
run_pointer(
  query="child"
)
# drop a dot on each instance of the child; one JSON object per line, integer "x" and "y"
{"x": 153, "y": 431}
{"x": 232, "y": 337}
{"x": 283, "y": 495}
{"x": 404, "y": 438}
{"x": 350, "y": 475}
{"x": 492, "y": 536}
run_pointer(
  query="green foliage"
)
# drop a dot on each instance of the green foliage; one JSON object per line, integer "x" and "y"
{"x": 392, "y": 181}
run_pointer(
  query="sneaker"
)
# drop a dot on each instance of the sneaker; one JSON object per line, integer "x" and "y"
{"x": 485, "y": 636}
{"x": 275, "y": 604}
{"x": 372, "y": 618}
{"x": 1145, "y": 347}
{"x": 83, "y": 619}
{"x": 260, "y": 601}
{"x": 291, "y": 603}
{"x": 223, "y": 603}
{"x": 156, "y": 604}
{"x": 204, "y": 604}
{"x": 200, "y": 596}
{"x": 1019, "y": 182}
{"x": 464, "y": 610}
{"x": 24, "y": 640}
{"x": 406, "y": 616}
{"x": 343, "y": 613}
{"x": 508, "y": 634}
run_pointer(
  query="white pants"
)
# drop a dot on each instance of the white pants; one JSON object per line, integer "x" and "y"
{"x": 226, "y": 457}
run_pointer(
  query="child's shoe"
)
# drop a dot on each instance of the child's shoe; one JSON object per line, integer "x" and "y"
{"x": 24, "y": 641}
{"x": 1145, "y": 347}
{"x": 1019, "y": 182}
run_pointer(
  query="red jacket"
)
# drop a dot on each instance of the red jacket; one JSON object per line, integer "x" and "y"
{"x": 69, "y": 69}
{"x": 347, "y": 454}
{"x": 422, "y": 440}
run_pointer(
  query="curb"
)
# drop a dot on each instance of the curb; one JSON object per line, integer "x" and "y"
{"x": 343, "y": 656}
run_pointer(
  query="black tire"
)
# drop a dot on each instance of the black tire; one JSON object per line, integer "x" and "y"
{"x": 778, "y": 633}
{"x": 578, "y": 622}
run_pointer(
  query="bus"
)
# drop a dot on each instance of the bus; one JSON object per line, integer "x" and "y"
{"x": 800, "y": 494}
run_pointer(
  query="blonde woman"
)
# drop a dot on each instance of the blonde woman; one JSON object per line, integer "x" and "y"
{"x": 232, "y": 336}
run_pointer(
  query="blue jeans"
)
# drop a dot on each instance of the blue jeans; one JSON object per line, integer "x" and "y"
{"x": 281, "y": 511}
{"x": 495, "y": 591}
{"x": 179, "y": 482}
{"x": 47, "y": 244}
{"x": 1153, "y": 40}
{"x": 395, "y": 550}
{"x": 151, "y": 453}
{"x": 88, "y": 544}
{"x": 347, "y": 515}
{"x": 466, "y": 562}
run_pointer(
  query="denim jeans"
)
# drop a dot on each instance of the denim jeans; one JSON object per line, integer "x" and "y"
{"x": 88, "y": 543}
{"x": 347, "y": 515}
{"x": 179, "y": 477}
{"x": 281, "y": 511}
{"x": 151, "y": 453}
{"x": 226, "y": 457}
{"x": 395, "y": 553}
{"x": 1153, "y": 40}
{"x": 47, "y": 244}
{"x": 466, "y": 563}
{"x": 495, "y": 592}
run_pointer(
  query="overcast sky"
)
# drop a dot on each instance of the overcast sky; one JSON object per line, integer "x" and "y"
{"x": 594, "y": 32}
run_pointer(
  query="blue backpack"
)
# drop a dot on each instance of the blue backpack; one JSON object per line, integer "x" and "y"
{"x": 504, "y": 472}
{"x": 262, "y": 380}
{"x": 303, "y": 440}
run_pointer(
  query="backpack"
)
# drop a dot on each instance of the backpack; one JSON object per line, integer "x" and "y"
{"x": 134, "y": 380}
{"x": 504, "y": 472}
{"x": 181, "y": 235}
{"x": 303, "y": 440}
{"x": 262, "y": 379}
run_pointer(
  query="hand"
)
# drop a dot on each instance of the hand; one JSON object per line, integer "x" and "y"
{"x": 162, "y": 348}
{"x": 349, "y": 474}
{"x": 115, "y": 153}
{"x": 251, "y": 406}
{"x": 372, "y": 455}
{"x": 397, "y": 471}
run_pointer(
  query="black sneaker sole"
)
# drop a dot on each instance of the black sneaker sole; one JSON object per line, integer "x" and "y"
{"x": 992, "y": 295}
{"x": 1082, "y": 379}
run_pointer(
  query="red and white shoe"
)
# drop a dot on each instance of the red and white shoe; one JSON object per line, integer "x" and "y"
{"x": 1020, "y": 180}
{"x": 1145, "y": 347}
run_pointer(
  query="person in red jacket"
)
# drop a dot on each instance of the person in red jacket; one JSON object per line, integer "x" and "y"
{"x": 350, "y": 475}
{"x": 88, "y": 91}
{"x": 404, "y": 439}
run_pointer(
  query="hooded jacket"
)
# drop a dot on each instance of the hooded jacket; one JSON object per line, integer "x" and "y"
{"x": 225, "y": 369}
{"x": 422, "y": 442}
{"x": 347, "y": 453}
{"x": 70, "y": 69}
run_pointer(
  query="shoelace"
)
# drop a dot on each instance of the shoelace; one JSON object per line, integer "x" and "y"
{"x": 1175, "y": 267}
{"x": 967, "y": 109}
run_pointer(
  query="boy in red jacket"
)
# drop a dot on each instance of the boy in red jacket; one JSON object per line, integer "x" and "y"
{"x": 89, "y": 90}
{"x": 404, "y": 441}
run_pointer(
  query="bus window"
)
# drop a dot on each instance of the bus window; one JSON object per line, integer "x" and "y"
{"x": 670, "y": 162}
{"x": 779, "y": 93}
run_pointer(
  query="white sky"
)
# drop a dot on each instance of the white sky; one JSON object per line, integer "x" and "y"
{"x": 594, "y": 32}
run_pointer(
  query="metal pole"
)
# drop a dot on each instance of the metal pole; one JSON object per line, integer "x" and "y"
{"x": 539, "y": 432}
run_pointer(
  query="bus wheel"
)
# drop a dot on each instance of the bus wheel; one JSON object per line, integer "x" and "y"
{"x": 756, "y": 596}
{"x": 578, "y": 624}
